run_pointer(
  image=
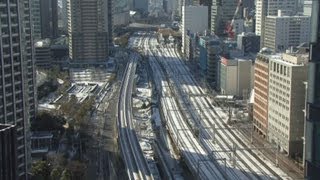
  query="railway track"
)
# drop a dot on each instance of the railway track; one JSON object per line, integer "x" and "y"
{"x": 250, "y": 165}
{"x": 136, "y": 165}
{"x": 194, "y": 155}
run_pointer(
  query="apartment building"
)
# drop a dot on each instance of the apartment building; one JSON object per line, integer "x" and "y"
{"x": 90, "y": 30}
{"x": 17, "y": 77}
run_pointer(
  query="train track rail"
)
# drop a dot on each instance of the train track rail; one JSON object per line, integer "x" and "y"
{"x": 136, "y": 165}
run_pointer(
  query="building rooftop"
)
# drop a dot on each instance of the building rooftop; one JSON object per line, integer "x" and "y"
{"x": 293, "y": 59}
{"x": 233, "y": 61}
{"x": 288, "y": 17}
{"x": 43, "y": 43}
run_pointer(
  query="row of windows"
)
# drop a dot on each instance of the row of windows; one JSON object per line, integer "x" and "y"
{"x": 276, "y": 80}
{"x": 281, "y": 92}
{"x": 281, "y": 134}
{"x": 279, "y": 113}
{"x": 279, "y": 127}
{"x": 280, "y": 69}
{"x": 284, "y": 106}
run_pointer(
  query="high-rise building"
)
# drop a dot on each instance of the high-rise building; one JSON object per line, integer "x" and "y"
{"x": 36, "y": 19}
{"x": 282, "y": 32}
{"x": 8, "y": 153}
{"x": 261, "y": 13}
{"x": 270, "y": 8}
{"x": 287, "y": 7}
{"x": 286, "y": 101}
{"x": 49, "y": 18}
{"x": 207, "y": 3}
{"x": 90, "y": 30}
{"x": 17, "y": 77}
{"x": 45, "y": 18}
{"x": 64, "y": 15}
{"x": 312, "y": 124}
{"x": 261, "y": 82}
{"x": 194, "y": 20}
{"x": 222, "y": 12}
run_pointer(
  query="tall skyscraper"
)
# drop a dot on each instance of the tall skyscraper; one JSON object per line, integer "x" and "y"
{"x": 194, "y": 19}
{"x": 282, "y": 32}
{"x": 36, "y": 19}
{"x": 49, "y": 18}
{"x": 207, "y": 3}
{"x": 261, "y": 13}
{"x": 17, "y": 77}
{"x": 312, "y": 124}
{"x": 64, "y": 15}
{"x": 45, "y": 18}
{"x": 270, "y": 8}
{"x": 89, "y": 29}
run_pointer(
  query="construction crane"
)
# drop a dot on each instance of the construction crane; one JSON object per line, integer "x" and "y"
{"x": 229, "y": 27}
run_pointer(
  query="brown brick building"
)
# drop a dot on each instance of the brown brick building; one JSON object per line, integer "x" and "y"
{"x": 260, "y": 107}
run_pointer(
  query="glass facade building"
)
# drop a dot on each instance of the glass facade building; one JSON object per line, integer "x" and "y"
{"x": 312, "y": 126}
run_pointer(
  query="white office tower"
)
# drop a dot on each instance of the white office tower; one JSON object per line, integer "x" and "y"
{"x": 194, "y": 19}
{"x": 90, "y": 30}
{"x": 286, "y": 101}
{"x": 283, "y": 32}
{"x": 261, "y": 13}
{"x": 17, "y": 77}
{"x": 270, "y": 8}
